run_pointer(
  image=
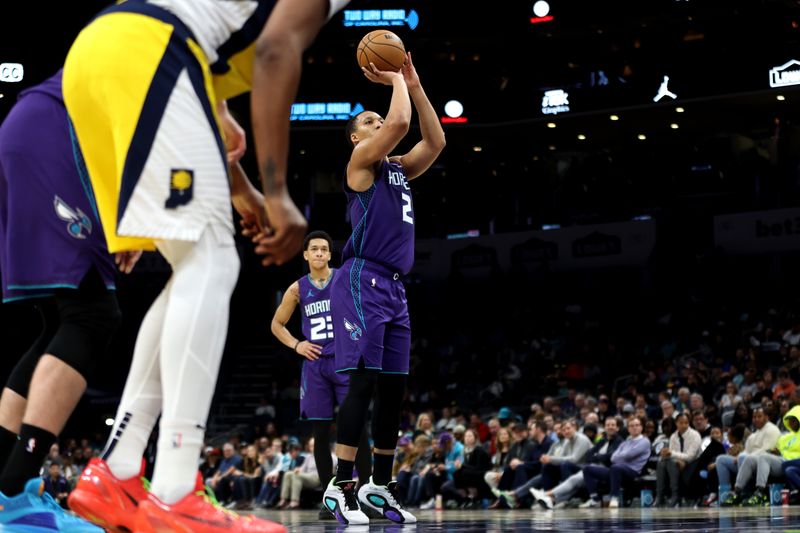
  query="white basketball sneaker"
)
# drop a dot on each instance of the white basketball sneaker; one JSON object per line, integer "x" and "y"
{"x": 383, "y": 499}
{"x": 341, "y": 500}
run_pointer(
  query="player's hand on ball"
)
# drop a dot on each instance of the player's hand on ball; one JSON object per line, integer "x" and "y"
{"x": 309, "y": 350}
{"x": 410, "y": 73}
{"x": 288, "y": 228}
{"x": 384, "y": 77}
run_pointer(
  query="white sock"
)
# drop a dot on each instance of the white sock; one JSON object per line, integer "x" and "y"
{"x": 179, "y": 446}
{"x": 193, "y": 338}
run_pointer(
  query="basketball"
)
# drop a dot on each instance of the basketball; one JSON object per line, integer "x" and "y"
{"x": 382, "y": 48}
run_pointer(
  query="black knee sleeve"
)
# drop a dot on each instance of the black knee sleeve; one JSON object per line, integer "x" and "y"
{"x": 386, "y": 411}
{"x": 89, "y": 318}
{"x": 21, "y": 375}
{"x": 353, "y": 411}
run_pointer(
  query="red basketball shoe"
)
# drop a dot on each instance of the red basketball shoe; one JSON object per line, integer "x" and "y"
{"x": 198, "y": 512}
{"x": 103, "y": 499}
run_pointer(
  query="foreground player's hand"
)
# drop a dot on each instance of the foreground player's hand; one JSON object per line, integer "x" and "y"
{"x": 127, "y": 260}
{"x": 410, "y": 73}
{"x": 384, "y": 77}
{"x": 309, "y": 350}
{"x": 288, "y": 228}
{"x": 235, "y": 138}
{"x": 250, "y": 206}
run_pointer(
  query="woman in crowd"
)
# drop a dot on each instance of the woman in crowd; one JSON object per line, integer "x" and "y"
{"x": 467, "y": 486}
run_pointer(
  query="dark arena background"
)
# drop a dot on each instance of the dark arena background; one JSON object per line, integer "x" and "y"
{"x": 612, "y": 229}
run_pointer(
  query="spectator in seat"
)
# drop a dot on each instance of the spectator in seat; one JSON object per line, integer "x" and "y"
{"x": 210, "y": 463}
{"x": 627, "y": 462}
{"x": 482, "y": 429}
{"x": 56, "y": 485}
{"x": 222, "y": 481}
{"x": 600, "y": 454}
{"x": 767, "y": 465}
{"x": 700, "y": 476}
{"x": 468, "y": 485}
{"x": 270, "y": 484}
{"x": 730, "y": 398}
{"x": 247, "y": 480}
{"x": 563, "y": 459}
{"x": 300, "y": 477}
{"x": 684, "y": 447}
{"x": 762, "y": 440}
{"x": 291, "y": 460}
{"x": 412, "y": 472}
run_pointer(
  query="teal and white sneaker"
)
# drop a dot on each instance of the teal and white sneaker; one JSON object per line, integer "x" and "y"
{"x": 340, "y": 499}
{"x": 383, "y": 499}
{"x": 35, "y": 511}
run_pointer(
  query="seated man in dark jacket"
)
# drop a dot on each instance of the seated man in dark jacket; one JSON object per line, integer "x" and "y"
{"x": 600, "y": 454}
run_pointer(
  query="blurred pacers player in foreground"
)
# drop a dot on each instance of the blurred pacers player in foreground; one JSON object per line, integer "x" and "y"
{"x": 145, "y": 84}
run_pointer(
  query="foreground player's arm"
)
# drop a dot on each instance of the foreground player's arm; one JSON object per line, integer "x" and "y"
{"x": 233, "y": 133}
{"x": 282, "y": 315}
{"x": 291, "y": 28}
{"x": 361, "y": 169}
{"x": 425, "y": 152}
{"x": 247, "y": 201}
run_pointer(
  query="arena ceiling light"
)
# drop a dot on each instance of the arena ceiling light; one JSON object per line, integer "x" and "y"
{"x": 454, "y": 113}
{"x": 541, "y": 12}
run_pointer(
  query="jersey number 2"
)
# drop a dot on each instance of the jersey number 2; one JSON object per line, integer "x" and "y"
{"x": 407, "y": 208}
{"x": 321, "y": 328}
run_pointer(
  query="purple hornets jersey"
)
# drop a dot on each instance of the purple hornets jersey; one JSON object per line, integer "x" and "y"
{"x": 315, "y": 305}
{"x": 383, "y": 221}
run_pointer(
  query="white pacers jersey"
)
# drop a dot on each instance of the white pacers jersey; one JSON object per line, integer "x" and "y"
{"x": 185, "y": 147}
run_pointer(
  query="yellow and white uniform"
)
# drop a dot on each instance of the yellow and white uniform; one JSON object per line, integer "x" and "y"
{"x": 141, "y": 84}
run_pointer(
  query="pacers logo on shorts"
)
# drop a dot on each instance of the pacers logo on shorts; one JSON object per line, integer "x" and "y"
{"x": 181, "y": 187}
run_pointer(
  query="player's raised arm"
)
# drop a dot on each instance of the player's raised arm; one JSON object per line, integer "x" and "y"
{"x": 425, "y": 152}
{"x": 291, "y": 28}
{"x": 282, "y": 315}
{"x": 388, "y": 132}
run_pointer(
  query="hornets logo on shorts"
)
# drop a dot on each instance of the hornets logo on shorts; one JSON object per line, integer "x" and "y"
{"x": 181, "y": 187}
{"x": 77, "y": 221}
{"x": 355, "y": 331}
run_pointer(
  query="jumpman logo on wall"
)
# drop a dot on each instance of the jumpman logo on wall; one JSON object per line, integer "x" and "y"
{"x": 664, "y": 91}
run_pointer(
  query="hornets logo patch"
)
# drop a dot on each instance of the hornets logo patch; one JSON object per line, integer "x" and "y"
{"x": 181, "y": 187}
{"x": 77, "y": 221}
{"x": 354, "y": 329}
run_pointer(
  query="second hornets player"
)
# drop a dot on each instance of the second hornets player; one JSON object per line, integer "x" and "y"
{"x": 321, "y": 387}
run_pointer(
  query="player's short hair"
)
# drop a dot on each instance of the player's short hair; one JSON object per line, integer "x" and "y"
{"x": 317, "y": 235}
{"x": 350, "y": 128}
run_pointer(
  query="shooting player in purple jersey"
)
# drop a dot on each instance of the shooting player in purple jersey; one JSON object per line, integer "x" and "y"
{"x": 321, "y": 387}
{"x": 372, "y": 330}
